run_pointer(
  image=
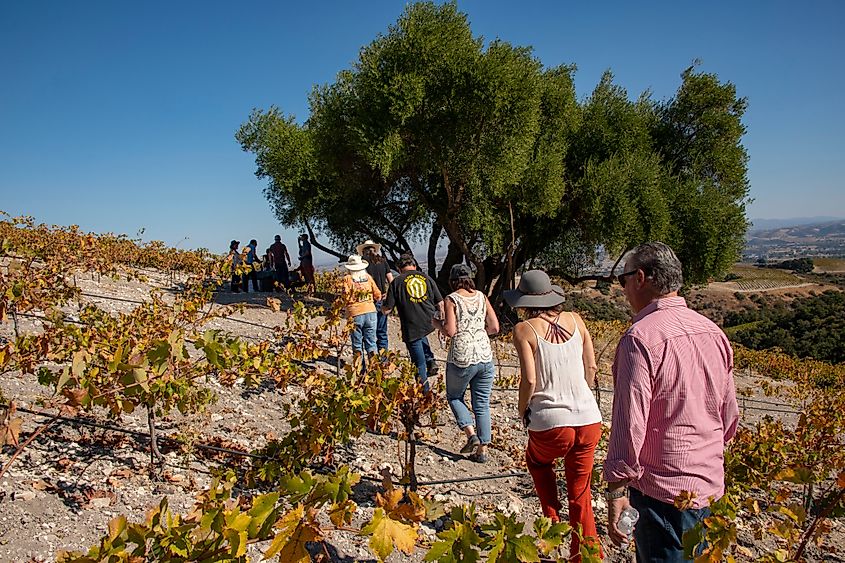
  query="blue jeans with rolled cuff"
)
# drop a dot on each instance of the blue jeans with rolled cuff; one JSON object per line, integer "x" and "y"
{"x": 479, "y": 378}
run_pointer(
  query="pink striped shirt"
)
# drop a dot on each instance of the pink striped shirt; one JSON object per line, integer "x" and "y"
{"x": 674, "y": 404}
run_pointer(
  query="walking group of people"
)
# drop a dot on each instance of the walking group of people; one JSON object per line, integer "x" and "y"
{"x": 272, "y": 271}
{"x": 674, "y": 405}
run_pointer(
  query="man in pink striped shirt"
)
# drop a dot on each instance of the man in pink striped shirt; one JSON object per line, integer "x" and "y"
{"x": 674, "y": 408}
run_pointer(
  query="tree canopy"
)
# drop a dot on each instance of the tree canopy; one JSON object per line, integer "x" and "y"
{"x": 434, "y": 132}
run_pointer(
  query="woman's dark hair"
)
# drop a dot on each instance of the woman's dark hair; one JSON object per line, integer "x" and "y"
{"x": 532, "y": 312}
{"x": 462, "y": 283}
{"x": 373, "y": 257}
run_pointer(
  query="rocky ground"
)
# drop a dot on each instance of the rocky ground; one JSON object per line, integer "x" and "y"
{"x": 65, "y": 487}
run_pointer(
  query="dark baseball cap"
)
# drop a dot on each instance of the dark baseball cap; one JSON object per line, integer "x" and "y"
{"x": 459, "y": 271}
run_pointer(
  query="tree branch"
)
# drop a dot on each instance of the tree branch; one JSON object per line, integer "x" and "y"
{"x": 316, "y": 243}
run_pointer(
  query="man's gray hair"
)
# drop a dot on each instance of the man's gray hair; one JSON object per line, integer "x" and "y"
{"x": 660, "y": 264}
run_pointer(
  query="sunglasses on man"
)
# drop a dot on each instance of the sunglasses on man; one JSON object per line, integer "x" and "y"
{"x": 621, "y": 277}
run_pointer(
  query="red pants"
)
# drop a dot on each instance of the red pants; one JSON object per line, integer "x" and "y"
{"x": 577, "y": 446}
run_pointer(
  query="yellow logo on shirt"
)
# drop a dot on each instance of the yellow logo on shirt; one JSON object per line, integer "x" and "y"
{"x": 416, "y": 287}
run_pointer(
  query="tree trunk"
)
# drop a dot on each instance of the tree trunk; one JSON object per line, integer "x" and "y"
{"x": 453, "y": 256}
{"x": 436, "y": 229}
{"x": 453, "y": 229}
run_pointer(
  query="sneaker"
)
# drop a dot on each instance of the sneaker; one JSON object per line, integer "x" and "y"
{"x": 478, "y": 457}
{"x": 472, "y": 444}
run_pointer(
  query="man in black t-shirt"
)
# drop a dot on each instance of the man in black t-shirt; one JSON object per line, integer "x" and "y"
{"x": 417, "y": 299}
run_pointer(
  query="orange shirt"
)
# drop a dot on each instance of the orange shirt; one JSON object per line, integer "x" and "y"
{"x": 361, "y": 289}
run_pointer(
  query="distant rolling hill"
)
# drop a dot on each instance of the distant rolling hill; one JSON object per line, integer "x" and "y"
{"x": 825, "y": 238}
{"x": 769, "y": 224}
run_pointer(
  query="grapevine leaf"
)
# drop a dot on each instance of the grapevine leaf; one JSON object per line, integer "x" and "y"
{"x": 441, "y": 551}
{"x": 434, "y": 509}
{"x": 241, "y": 522}
{"x": 78, "y": 364}
{"x": 386, "y": 533}
{"x": 140, "y": 377}
{"x": 262, "y": 506}
{"x": 342, "y": 513}
{"x": 10, "y": 431}
{"x": 525, "y": 550}
{"x": 237, "y": 542}
{"x": 116, "y": 527}
{"x": 63, "y": 379}
{"x": 390, "y": 500}
{"x": 294, "y": 533}
{"x": 799, "y": 475}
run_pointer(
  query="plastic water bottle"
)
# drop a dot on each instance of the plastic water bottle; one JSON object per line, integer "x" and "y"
{"x": 627, "y": 521}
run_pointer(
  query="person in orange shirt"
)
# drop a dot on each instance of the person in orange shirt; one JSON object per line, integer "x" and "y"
{"x": 361, "y": 292}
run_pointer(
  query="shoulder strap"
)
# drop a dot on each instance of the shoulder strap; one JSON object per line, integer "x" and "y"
{"x": 537, "y": 334}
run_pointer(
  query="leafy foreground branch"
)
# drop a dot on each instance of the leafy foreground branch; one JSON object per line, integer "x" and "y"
{"x": 787, "y": 482}
{"x": 297, "y": 519}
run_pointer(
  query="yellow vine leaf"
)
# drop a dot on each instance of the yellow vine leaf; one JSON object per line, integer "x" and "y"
{"x": 390, "y": 499}
{"x": 342, "y": 513}
{"x": 237, "y": 542}
{"x": 9, "y": 431}
{"x": 294, "y": 532}
{"x": 116, "y": 527}
{"x": 386, "y": 533}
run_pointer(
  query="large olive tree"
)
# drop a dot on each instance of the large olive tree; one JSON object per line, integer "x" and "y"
{"x": 434, "y": 133}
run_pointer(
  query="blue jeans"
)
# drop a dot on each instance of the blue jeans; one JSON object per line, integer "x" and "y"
{"x": 364, "y": 333}
{"x": 479, "y": 378}
{"x": 381, "y": 328}
{"x": 660, "y": 529}
{"x": 421, "y": 356}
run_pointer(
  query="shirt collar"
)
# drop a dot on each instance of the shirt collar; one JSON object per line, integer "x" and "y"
{"x": 660, "y": 303}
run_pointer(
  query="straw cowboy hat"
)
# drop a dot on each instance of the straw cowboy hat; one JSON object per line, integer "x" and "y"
{"x": 535, "y": 290}
{"x": 356, "y": 263}
{"x": 369, "y": 243}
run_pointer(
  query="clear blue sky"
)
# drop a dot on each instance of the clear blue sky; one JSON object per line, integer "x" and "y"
{"x": 119, "y": 116}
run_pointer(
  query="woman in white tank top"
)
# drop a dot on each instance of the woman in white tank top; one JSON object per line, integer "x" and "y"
{"x": 556, "y": 361}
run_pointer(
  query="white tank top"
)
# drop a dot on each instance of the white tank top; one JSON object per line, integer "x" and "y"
{"x": 470, "y": 345}
{"x": 561, "y": 396}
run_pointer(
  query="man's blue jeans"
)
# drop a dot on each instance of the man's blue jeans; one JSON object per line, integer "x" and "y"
{"x": 421, "y": 356}
{"x": 660, "y": 529}
{"x": 381, "y": 328}
{"x": 479, "y": 378}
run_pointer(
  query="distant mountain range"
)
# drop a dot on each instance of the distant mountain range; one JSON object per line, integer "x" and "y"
{"x": 767, "y": 224}
{"x": 795, "y": 240}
